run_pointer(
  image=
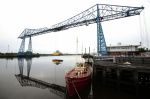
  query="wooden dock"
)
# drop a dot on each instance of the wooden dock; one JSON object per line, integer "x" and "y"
{"x": 136, "y": 73}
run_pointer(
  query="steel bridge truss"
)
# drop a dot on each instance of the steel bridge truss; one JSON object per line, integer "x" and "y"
{"x": 96, "y": 14}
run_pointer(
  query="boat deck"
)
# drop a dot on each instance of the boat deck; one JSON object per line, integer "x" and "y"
{"x": 79, "y": 72}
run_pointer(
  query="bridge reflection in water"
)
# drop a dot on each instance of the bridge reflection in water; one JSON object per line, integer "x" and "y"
{"x": 27, "y": 81}
{"x": 131, "y": 83}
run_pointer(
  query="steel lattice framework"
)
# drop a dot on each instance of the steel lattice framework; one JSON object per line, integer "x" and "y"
{"x": 96, "y": 14}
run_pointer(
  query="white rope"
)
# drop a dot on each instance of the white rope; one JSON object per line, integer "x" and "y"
{"x": 76, "y": 90}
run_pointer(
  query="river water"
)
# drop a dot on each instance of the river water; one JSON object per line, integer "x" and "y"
{"x": 41, "y": 69}
{"x": 32, "y": 79}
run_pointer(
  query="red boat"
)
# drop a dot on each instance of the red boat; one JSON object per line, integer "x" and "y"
{"x": 78, "y": 79}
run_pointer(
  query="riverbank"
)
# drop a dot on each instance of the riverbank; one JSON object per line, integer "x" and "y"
{"x": 14, "y": 55}
{"x": 8, "y": 55}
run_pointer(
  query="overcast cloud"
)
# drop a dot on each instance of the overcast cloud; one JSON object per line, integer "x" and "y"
{"x": 16, "y": 15}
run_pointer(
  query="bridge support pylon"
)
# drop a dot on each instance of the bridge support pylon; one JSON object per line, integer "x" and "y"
{"x": 101, "y": 44}
{"x": 22, "y": 52}
{"x": 29, "y": 51}
{"x": 22, "y": 48}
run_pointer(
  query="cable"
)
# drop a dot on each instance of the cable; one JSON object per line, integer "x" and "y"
{"x": 76, "y": 90}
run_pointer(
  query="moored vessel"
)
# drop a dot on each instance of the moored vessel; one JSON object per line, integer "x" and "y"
{"x": 78, "y": 80}
{"x": 57, "y": 53}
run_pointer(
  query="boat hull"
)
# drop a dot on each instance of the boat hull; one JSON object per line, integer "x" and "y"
{"x": 78, "y": 85}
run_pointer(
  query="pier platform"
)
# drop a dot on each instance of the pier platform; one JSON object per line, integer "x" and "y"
{"x": 135, "y": 74}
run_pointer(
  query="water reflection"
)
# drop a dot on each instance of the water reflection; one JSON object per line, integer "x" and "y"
{"x": 21, "y": 65}
{"x": 35, "y": 79}
{"x": 27, "y": 81}
{"x": 57, "y": 61}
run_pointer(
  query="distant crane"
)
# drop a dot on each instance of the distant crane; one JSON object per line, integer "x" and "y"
{"x": 96, "y": 14}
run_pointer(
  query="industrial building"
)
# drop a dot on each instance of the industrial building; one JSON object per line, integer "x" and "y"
{"x": 123, "y": 50}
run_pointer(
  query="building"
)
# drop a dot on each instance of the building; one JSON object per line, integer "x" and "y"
{"x": 123, "y": 50}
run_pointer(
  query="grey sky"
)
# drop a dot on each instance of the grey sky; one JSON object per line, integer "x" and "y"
{"x": 16, "y": 15}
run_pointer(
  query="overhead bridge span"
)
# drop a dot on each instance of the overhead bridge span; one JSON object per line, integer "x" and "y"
{"x": 95, "y": 14}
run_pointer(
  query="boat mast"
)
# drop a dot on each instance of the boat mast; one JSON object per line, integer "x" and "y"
{"x": 77, "y": 46}
{"x": 89, "y": 54}
{"x": 76, "y": 49}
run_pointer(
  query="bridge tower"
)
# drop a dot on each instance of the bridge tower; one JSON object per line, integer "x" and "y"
{"x": 29, "y": 51}
{"x": 101, "y": 44}
{"x": 22, "y": 47}
{"x": 22, "y": 52}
